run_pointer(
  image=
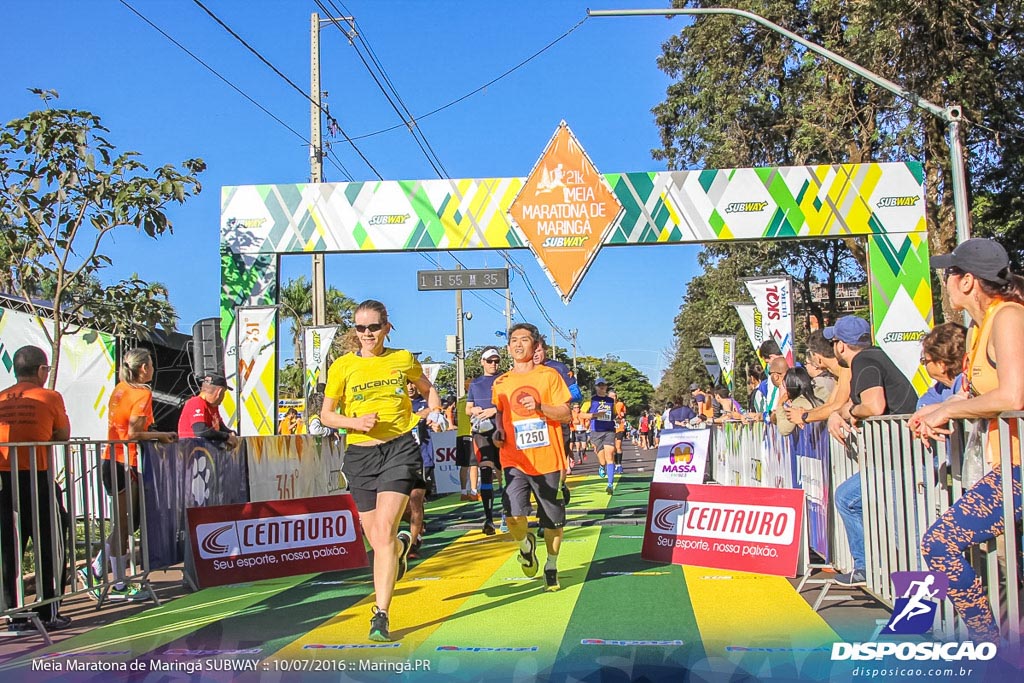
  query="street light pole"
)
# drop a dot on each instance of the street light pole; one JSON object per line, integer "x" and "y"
{"x": 952, "y": 115}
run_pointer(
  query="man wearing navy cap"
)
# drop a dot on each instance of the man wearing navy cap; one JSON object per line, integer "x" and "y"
{"x": 200, "y": 416}
{"x": 600, "y": 410}
{"x": 877, "y": 387}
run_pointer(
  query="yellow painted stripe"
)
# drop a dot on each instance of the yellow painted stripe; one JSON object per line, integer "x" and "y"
{"x": 508, "y": 611}
{"x": 752, "y": 610}
{"x": 423, "y": 600}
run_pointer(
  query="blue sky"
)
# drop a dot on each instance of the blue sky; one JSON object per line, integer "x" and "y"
{"x": 602, "y": 79}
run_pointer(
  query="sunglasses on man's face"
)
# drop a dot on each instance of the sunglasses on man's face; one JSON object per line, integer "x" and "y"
{"x": 491, "y": 360}
{"x": 372, "y": 327}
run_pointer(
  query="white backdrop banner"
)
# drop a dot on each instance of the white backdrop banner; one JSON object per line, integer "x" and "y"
{"x": 287, "y": 467}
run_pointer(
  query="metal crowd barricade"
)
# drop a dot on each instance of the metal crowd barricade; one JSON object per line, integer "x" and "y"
{"x": 69, "y": 493}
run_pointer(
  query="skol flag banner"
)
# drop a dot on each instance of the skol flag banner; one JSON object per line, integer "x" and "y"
{"x": 316, "y": 344}
{"x": 751, "y": 319}
{"x": 707, "y": 355}
{"x": 566, "y": 210}
{"x": 257, "y": 331}
{"x": 725, "y": 352}
{"x": 773, "y": 297}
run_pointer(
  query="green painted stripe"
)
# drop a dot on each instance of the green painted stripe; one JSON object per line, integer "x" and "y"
{"x": 652, "y": 605}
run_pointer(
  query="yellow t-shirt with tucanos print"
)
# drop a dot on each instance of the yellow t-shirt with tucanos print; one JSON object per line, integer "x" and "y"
{"x": 375, "y": 384}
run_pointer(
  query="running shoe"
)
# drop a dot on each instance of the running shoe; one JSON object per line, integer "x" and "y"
{"x": 405, "y": 538}
{"x": 551, "y": 579}
{"x": 600, "y": 471}
{"x": 414, "y": 550}
{"x": 379, "y": 626}
{"x": 609, "y": 490}
{"x": 529, "y": 559}
{"x": 618, "y": 469}
{"x": 855, "y": 578}
{"x": 130, "y": 592}
{"x": 489, "y": 528}
{"x": 83, "y": 576}
{"x": 58, "y": 623}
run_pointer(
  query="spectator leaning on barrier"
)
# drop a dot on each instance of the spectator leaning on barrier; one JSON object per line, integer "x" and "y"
{"x": 30, "y": 412}
{"x": 799, "y": 393}
{"x": 200, "y": 416}
{"x": 942, "y": 355}
{"x": 129, "y": 418}
{"x": 877, "y": 387}
{"x": 820, "y": 352}
{"x": 979, "y": 281}
{"x": 777, "y": 368}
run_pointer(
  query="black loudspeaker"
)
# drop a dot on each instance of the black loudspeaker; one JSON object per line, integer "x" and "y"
{"x": 207, "y": 347}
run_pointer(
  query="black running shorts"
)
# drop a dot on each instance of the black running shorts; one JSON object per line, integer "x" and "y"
{"x": 390, "y": 466}
{"x": 487, "y": 453}
{"x": 546, "y": 488}
{"x": 464, "y": 451}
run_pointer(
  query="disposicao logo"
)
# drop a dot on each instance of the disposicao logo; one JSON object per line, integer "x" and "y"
{"x": 920, "y": 593}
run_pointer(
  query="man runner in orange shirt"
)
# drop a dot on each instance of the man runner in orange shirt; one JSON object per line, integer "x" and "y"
{"x": 532, "y": 402}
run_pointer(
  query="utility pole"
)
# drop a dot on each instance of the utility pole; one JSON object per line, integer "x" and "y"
{"x": 554, "y": 340}
{"x": 316, "y": 161}
{"x": 572, "y": 335}
{"x": 508, "y": 312}
{"x": 460, "y": 347}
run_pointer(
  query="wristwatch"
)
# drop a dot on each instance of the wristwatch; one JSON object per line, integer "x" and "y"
{"x": 803, "y": 416}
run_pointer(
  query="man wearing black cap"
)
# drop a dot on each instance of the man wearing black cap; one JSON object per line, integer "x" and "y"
{"x": 877, "y": 387}
{"x": 600, "y": 410}
{"x": 201, "y": 418}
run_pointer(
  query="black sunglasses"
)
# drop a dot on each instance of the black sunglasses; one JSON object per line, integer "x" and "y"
{"x": 372, "y": 327}
{"x": 491, "y": 360}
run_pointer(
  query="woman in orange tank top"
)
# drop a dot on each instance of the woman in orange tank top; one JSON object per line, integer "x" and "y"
{"x": 979, "y": 281}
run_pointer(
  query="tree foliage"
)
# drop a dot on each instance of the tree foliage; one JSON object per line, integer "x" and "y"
{"x": 64, "y": 189}
{"x": 296, "y": 307}
{"x": 747, "y": 96}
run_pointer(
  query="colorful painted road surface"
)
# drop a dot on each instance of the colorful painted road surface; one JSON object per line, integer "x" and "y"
{"x": 466, "y": 612}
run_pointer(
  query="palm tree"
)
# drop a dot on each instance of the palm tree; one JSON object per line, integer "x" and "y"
{"x": 296, "y": 301}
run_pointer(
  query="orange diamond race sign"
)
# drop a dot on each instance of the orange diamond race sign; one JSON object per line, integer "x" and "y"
{"x": 565, "y": 210}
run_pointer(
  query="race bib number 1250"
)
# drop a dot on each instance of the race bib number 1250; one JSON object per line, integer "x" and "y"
{"x": 531, "y": 433}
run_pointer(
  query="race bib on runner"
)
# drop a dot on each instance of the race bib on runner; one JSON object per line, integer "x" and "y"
{"x": 604, "y": 412}
{"x": 532, "y": 433}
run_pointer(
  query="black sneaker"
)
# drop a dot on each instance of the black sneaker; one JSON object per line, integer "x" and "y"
{"x": 58, "y": 623}
{"x": 20, "y": 625}
{"x": 855, "y": 578}
{"x": 609, "y": 490}
{"x": 551, "y": 579}
{"x": 489, "y": 528}
{"x": 405, "y": 538}
{"x": 528, "y": 560}
{"x": 379, "y": 626}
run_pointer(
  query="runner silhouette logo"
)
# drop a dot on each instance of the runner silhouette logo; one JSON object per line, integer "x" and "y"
{"x": 920, "y": 593}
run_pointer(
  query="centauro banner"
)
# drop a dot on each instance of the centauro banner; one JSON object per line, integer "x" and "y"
{"x": 725, "y": 352}
{"x": 566, "y": 210}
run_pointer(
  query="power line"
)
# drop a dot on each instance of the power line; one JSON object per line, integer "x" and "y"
{"x": 234, "y": 87}
{"x": 485, "y": 85}
{"x": 302, "y": 92}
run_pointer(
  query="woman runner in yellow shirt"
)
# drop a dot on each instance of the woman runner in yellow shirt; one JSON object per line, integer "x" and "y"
{"x": 366, "y": 396}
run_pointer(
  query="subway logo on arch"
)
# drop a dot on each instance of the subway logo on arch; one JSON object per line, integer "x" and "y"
{"x": 725, "y": 521}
